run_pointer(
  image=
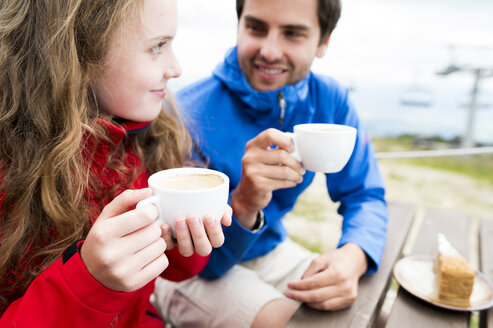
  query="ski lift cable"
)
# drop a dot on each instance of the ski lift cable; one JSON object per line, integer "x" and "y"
{"x": 435, "y": 153}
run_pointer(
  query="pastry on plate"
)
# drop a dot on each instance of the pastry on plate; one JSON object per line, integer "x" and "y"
{"x": 455, "y": 278}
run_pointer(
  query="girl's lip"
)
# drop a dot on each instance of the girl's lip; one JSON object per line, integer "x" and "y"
{"x": 161, "y": 93}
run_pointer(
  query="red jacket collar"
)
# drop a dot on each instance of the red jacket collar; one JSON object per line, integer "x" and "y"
{"x": 124, "y": 127}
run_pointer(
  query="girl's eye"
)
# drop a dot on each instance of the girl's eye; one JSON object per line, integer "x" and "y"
{"x": 157, "y": 49}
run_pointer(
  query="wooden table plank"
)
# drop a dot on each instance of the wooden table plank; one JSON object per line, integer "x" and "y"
{"x": 372, "y": 288}
{"x": 409, "y": 311}
{"x": 486, "y": 262}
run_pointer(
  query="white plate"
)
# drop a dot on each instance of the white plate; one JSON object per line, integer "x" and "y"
{"x": 415, "y": 274}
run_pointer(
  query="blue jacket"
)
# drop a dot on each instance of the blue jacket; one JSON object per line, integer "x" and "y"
{"x": 224, "y": 112}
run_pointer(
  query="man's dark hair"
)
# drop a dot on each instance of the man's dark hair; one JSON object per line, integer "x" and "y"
{"x": 328, "y": 12}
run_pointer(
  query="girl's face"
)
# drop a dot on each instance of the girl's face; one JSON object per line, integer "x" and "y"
{"x": 139, "y": 63}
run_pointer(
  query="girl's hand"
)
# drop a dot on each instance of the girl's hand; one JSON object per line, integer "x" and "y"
{"x": 193, "y": 234}
{"x": 124, "y": 249}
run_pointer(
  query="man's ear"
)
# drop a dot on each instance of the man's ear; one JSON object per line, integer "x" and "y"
{"x": 322, "y": 48}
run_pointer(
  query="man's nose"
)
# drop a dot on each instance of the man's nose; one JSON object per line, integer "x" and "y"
{"x": 271, "y": 49}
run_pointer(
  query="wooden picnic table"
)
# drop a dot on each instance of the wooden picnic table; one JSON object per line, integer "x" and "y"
{"x": 372, "y": 288}
{"x": 486, "y": 263}
{"x": 407, "y": 310}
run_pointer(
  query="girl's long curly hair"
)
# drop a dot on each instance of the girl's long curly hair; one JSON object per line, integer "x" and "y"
{"x": 50, "y": 50}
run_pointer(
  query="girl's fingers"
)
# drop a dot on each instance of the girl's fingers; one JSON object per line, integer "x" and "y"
{"x": 148, "y": 254}
{"x": 132, "y": 220}
{"x": 124, "y": 202}
{"x": 135, "y": 241}
{"x": 153, "y": 269}
{"x": 193, "y": 235}
{"x": 227, "y": 216}
{"x": 214, "y": 231}
{"x": 184, "y": 240}
{"x": 167, "y": 236}
{"x": 200, "y": 239}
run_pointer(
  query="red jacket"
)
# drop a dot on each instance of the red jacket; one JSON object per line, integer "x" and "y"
{"x": 66, "y": 295}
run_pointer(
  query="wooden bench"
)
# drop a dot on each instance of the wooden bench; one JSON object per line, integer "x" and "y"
{"x": 409, "y": 311}
{"x": 372, "y": 288}
{"x": 486, "y": 263}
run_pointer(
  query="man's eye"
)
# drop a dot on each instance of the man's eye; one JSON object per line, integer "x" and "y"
{"x": 255, "y": 28}
{"x": 293, "y": 34}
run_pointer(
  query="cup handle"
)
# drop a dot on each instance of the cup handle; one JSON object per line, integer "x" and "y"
{"x": 295, "y": 153}
{"x": 155, "y": 201}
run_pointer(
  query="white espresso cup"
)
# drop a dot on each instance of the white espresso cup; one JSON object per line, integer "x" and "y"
{"x": 323, "y": 147}
{"x": 186, "y": 192}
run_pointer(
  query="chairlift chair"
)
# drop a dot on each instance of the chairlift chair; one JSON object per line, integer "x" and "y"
{"x": 417, "y": 96}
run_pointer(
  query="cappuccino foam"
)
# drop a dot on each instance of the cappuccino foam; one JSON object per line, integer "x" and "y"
{"x": 191, "y": 182}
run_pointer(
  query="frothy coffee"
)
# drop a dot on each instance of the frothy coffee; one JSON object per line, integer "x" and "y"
{"x": 191, "y": 182}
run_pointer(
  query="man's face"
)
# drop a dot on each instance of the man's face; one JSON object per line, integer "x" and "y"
{"x": 277, "y": 41}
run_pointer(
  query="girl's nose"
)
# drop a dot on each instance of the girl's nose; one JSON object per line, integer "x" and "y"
{"x": 173, "y": 68}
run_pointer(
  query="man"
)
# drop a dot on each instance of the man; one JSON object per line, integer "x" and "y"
{"x": 238, "y": 119}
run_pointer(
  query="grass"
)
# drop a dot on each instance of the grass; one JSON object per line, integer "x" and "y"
{"x": 310, "y": 209}
{"x": 479, "y": 167}
{"x": 313, "y": 246}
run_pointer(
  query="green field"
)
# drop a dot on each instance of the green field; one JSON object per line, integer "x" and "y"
{"x": 479, "y": 167}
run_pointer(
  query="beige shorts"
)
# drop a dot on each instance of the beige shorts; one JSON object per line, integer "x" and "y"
{"x": 234, "y": 299}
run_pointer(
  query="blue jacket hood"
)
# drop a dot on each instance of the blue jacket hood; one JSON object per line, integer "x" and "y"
{"x": 260, "y": 104}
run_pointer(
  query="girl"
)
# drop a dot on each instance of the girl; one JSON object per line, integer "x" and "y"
{"x": 81, "y": 127}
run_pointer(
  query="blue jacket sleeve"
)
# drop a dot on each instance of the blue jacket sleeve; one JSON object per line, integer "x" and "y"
{"x": 360, "y": 190}
{"x": 237, "y": 241}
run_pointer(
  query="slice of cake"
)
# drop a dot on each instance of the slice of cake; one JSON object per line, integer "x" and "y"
{"x": 455, "y": 278}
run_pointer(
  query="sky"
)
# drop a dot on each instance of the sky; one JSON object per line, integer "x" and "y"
{"x": 381, "y": 49}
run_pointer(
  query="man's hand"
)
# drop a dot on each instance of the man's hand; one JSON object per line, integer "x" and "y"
{"x": 266, "y": 166}
{"x": 331, "y": 280}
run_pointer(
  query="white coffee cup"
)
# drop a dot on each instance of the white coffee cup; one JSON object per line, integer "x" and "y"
{"x": 323, "y": 147}
{"x": 186, "y": 192}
